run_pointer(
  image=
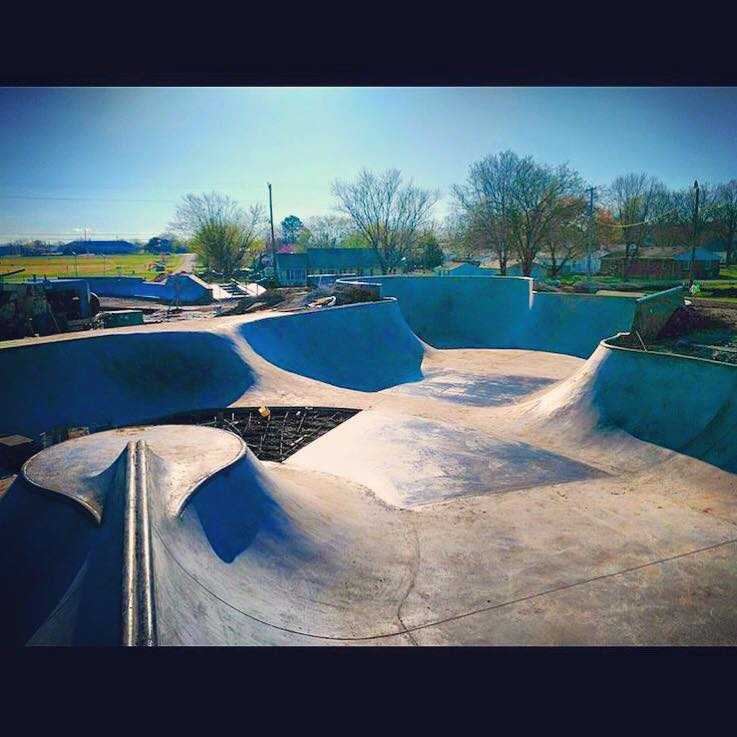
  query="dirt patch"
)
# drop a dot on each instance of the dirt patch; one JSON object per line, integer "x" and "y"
{"x": 266, "y": 301}
{"x": 691, "y": 319}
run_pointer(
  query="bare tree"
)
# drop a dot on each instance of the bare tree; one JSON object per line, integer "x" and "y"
{"x": 539, "y": 205}
{"x": 219, "y": 230}
{"x": 487, "y": 198}
{"x": 386, "y": 213}
{"x": 462, "y": 234}
{"x": 567, "y": 235}
{"x": 721, "y": 215}
{"x": 329, "y": 231}
{"x": 636, "y": 200}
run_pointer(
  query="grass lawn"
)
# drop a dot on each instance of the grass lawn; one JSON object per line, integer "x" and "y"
{"x": 136, "y": 264}
{"x": 723, "y": 289}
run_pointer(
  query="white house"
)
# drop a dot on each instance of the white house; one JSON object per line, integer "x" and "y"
{"x": 463, "y": 268}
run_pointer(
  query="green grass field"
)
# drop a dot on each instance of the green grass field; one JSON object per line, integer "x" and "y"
{"x": 137, "y": 264}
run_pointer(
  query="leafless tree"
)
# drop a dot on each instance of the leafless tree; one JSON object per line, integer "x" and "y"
{"x": 567, "y": 236}
{"x": 516, "y": 204}
{"x": 462, "y": 235}
{"x": 539, "y": 206}
{"x": 388, "y": 214}
{"x": 219, "y": 230}
{"x": 721, "y": 215}
{"x": 487, "y": 198}
{"x": 637, "y": 201}
{"x": 329, "y": 231}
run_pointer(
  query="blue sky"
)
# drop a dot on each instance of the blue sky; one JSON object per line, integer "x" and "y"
{"x": 116, "y": 160}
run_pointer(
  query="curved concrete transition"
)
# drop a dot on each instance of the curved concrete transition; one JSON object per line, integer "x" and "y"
{"x": 491, "y": 495}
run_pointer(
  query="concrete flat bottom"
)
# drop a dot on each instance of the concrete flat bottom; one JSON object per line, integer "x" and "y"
{"x": 474, "y": 389}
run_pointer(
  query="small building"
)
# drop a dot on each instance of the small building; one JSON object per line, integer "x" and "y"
{"x": 537, "y": 270}
{"x": 718, "y": 248}
{"x": 357, "y": 261}
{"x": 662, "y": 263}
{"x": 709, "y": 262}
{"x": 463, "y": 268}
{"x": 293, "y": 268}
{"x": 100, "y": 247}
{"x": 577, "y": 265}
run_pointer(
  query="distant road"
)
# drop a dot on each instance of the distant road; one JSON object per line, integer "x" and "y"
{"x": 189, "y": 263}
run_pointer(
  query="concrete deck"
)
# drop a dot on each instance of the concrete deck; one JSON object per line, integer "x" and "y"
{"x": 484, "y": 496}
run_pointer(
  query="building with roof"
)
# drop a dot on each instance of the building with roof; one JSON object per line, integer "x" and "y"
{"x": 663, "y": 263}
{"x": 463, "y": 268}
{"x": 537, "y": 270}
{"x": 293, "y": 268}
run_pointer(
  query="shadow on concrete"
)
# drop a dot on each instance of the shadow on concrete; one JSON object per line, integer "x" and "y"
{"x": 113, "y": 380}
{"x": 235, "y": 506}
{"x": 44, "y": 540}
{"x": 474, "y": 389}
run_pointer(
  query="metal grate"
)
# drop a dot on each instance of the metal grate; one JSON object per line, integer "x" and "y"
{"x": 272, "y": 438}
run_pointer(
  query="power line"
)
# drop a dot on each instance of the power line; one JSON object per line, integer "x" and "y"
{"x": 642, "y": 222}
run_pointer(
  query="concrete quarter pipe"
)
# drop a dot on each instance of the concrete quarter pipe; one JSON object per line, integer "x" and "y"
{"x": 510, "y": 476}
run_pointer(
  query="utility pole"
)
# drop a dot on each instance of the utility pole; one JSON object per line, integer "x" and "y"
{"x": 693, "y": 242}
{"x": 591, "y": 231}
{"x": 273, "y": 245}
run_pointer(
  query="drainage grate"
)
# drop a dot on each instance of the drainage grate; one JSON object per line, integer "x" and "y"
{"x": 272, "y": 438}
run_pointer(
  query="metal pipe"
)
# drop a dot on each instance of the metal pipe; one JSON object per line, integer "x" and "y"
{"x": 139, "y": 609}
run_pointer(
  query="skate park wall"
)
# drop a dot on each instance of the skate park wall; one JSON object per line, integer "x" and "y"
{"x": 504, "y": 312}
{"x": 366, "y": 346}
{"x": 635, "y": 390}
{"x": 186, "y": 287}
{"x": 117, "y": 379}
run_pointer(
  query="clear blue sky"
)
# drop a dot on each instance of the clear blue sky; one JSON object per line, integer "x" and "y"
{"x": 93, "y": 146}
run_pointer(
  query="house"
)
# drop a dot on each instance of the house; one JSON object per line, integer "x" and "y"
{"x": 100, "y": 247}
{"x": 708, "y": 261}
{"x": 580, "y": 265}
{"x": 662, "y": 263}
{"x": 537, "y": 270}
{"x": 354, "y": 261}
{"x": 718, "y": 248}
{"x": 293, "y": 268}
{"x": 463, "y": 268}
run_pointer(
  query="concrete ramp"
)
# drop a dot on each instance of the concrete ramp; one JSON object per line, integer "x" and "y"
{"x": 167, "y": 544}
{"x": 367, "y": 347}
{"x": 187, "y": 289}
{"x": 413, "y": 461}
{"x": 122, "y": 480}
{"x": 118, "y": 379}
{"x": 677, "y": 402}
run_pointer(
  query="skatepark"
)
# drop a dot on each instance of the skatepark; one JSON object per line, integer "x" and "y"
{"x": 510, "y": 474}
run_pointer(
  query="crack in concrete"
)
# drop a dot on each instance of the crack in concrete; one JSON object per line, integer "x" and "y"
{"x": 415, "y": 628}
{"x": 415, "y": 566}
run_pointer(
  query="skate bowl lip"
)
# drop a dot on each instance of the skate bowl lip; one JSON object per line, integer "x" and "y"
{"x": 663, "y": 354}
{"x": 214, "y": 324}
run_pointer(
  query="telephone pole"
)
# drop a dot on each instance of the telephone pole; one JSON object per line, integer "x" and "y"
{"x": 590, "y": 190}
{"x": 693, "y": 241}
{"x": 273, "y": 245}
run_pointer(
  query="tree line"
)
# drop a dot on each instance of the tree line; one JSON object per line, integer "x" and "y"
{"x": 511, "y": 206}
